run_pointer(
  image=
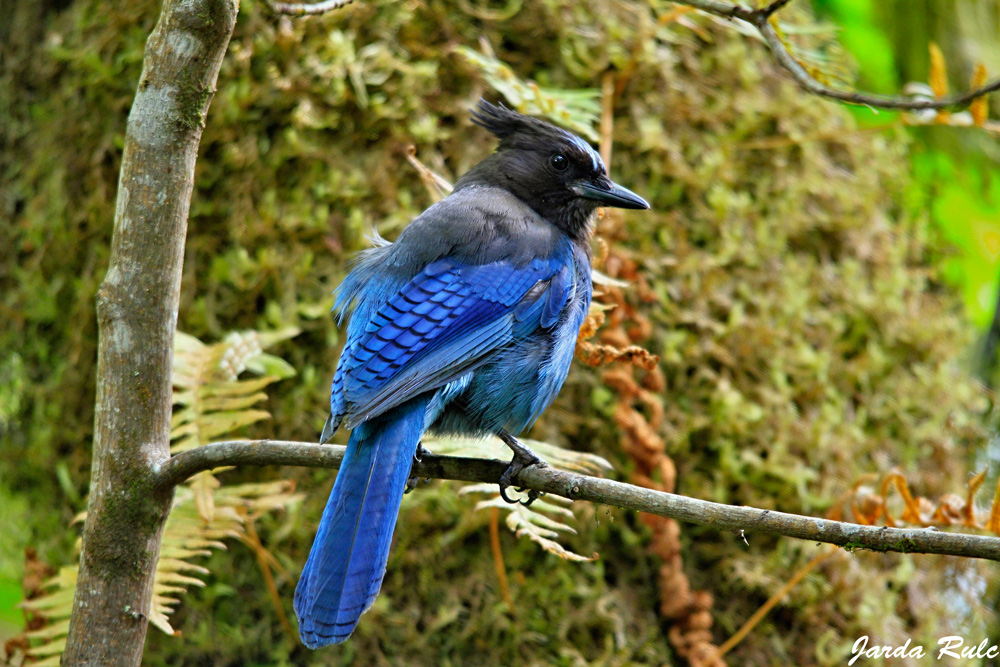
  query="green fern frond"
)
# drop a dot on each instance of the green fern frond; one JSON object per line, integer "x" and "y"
{"x": 547, "y": 517}
{"x": 51, "y": 652}
{"x": 209, "y": 402}
{"x": 59, "y": 603}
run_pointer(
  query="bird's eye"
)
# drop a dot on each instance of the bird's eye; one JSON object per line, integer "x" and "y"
{"x": 559, "y": 162}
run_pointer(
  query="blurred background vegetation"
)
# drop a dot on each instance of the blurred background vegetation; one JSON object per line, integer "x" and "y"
{"x": 818, "y": 281}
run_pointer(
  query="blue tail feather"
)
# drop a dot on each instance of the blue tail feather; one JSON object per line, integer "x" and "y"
{"x": 347, "y": 562}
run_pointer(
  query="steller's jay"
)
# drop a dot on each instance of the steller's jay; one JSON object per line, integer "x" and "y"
{"x": 465, "y": 325}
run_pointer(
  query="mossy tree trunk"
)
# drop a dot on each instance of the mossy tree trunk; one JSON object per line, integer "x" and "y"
{"x": 137, "y": 314}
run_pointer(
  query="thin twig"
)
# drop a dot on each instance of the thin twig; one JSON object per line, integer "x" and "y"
{"x": 306, "y": 9}
{"x": 772, "y": 8}
{"x": 760, "y": 19}
{"x": 604, "y": 491}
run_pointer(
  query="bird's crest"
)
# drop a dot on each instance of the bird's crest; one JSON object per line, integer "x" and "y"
{"x": 500, "y": 120}
{"x": 515, "y": 130}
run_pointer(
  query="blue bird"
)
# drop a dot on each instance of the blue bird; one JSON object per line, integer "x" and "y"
{"x": 465, "y": 325}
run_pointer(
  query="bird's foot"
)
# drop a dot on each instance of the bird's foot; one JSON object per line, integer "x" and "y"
{"x": 523, "y": 458}
{"x": 418, "y": 456}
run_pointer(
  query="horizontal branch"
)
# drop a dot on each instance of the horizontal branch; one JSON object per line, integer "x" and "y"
{"x": 604, "y": 491}
{"x": 760, "y": 19}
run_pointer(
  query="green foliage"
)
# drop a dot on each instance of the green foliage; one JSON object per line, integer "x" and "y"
{"x": 15, "y": 513}
{"x": 954, "y": 174}
{"x": 859, "y": 33}
{"x": 806, "y": 334}
{"x": 964, "y": 203}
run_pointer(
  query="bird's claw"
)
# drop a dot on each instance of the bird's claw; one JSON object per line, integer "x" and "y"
{"x": 504, "y": 485}
{"x": 412, "y": 482}
{"x": 421, "y": 452}
{"x": 523, "y": 458}
{"x": 418, "y": 456}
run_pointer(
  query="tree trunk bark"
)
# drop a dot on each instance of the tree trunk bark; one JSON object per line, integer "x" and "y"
{"x": 137, "y": 314}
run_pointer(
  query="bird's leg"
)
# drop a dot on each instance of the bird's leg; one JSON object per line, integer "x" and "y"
{"x": 418, "y": 456}
{"x": 523, "y": 458}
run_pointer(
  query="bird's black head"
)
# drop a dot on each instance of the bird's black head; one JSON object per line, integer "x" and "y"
{"x": 554, "y": 171}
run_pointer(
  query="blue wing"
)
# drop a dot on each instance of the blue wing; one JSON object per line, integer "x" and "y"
{"x": 440, "y": 325}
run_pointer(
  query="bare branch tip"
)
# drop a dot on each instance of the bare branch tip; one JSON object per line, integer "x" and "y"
{"x": 769, "y": 10}
{"x": 760, "y": 19}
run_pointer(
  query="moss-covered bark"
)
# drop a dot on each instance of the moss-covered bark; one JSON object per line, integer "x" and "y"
{"x": 137, "y": 314}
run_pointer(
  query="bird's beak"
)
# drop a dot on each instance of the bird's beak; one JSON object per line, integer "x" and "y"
{"x": 609, "y": 193}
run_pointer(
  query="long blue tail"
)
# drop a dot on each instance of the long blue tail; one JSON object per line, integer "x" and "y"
{"x": 344, "y": 572}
